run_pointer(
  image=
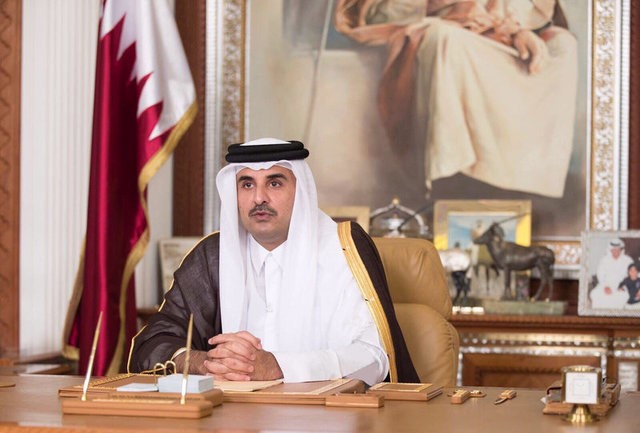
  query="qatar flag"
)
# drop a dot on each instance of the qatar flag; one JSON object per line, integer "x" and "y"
{"x": 144, "y": 102}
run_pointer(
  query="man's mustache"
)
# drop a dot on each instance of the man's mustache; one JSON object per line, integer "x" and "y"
{"x": 263, "y": 208}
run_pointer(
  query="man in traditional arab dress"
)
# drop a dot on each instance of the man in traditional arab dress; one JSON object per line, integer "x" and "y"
{"x": 487, "y": 87}
{"x": 279, "y": 292}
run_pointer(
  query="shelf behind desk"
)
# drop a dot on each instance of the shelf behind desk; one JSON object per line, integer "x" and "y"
{"x": 529, "y": 351}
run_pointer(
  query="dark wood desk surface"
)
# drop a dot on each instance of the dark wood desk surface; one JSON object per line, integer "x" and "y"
{"x": 33, "y": 405}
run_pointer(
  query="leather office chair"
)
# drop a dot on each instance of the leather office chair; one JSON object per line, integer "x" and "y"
{"x": 420, "y": 295}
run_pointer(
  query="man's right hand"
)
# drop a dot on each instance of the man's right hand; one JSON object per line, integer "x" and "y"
{"x": 233, "y": 356}
{"x": 236, "y": 356}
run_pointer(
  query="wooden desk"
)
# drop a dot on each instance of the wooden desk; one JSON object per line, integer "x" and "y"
{"x": 33, "y": 404}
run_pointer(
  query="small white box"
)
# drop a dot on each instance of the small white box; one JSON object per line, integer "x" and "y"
{"x": 195, "y": 383}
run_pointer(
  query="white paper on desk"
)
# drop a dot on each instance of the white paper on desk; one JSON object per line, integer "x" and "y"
{"x": 196, "y": 383}
{"x": 245, "y": 386}
{"x": 138, "y": 387}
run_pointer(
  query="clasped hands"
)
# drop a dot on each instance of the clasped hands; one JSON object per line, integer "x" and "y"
{"x": 492, "y": 21}
{"x": 235, "y": 356}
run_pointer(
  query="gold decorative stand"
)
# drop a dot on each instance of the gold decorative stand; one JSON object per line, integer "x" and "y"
{"x": 580, "y": 414}
{"x": 152, "y": 404}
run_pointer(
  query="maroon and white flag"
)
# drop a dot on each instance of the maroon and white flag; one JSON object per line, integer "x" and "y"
{"x": 144, "y": 102}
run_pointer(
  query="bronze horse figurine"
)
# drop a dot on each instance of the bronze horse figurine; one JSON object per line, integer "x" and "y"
{"x": 513, "y": 257}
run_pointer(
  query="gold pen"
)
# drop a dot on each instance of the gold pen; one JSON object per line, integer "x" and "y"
{"x": 96, "y": 333}
{"x": 187, "y": 356}
{"x": 505, "y": 395}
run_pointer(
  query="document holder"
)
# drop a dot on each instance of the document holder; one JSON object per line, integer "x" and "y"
{"x": 296, "y": 393}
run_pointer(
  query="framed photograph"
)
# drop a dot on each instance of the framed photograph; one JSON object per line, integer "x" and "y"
{"x": 288, "y": 71}
{"x": 172, "y": 251}
{"x": 458, "y": 222}
{"x": 609, "y": 281}
{"x": 359, "y": 214}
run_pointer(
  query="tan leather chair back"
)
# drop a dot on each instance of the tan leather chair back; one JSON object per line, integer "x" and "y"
{"x": 418, "y": 286}
{"x": 415, "y": 273}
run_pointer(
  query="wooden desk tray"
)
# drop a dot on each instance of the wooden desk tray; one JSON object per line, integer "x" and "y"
{"x": 107, "y": 386}
{"x": 149, "y": 404}
{"x": 286, "y": 393}
{"x": 406, "y": 391}
{"x": 554, "y": 405}
{"x": 296, "y": 393}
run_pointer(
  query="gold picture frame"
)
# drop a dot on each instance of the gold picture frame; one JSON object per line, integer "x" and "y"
{"x": 605, "y": 144}
{"x": 454, "y": 220}
{"x": 458, "y": 222}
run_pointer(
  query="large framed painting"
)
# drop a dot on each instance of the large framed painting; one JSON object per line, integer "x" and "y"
{"x": 387, "y": 112}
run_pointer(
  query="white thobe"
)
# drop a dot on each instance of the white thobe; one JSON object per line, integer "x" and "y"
{"x": 610, "y": 274}
{"x": 347, "y": 315}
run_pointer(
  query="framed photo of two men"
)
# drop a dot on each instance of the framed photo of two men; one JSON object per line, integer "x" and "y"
{"x": 609, "y": 278}
{"x": 415, "y": 99}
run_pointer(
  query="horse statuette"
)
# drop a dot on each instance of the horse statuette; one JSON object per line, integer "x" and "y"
{"x": 510, "y": 256}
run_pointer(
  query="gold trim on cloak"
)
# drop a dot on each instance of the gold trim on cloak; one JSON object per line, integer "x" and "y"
{"x": 369, "y": 293}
